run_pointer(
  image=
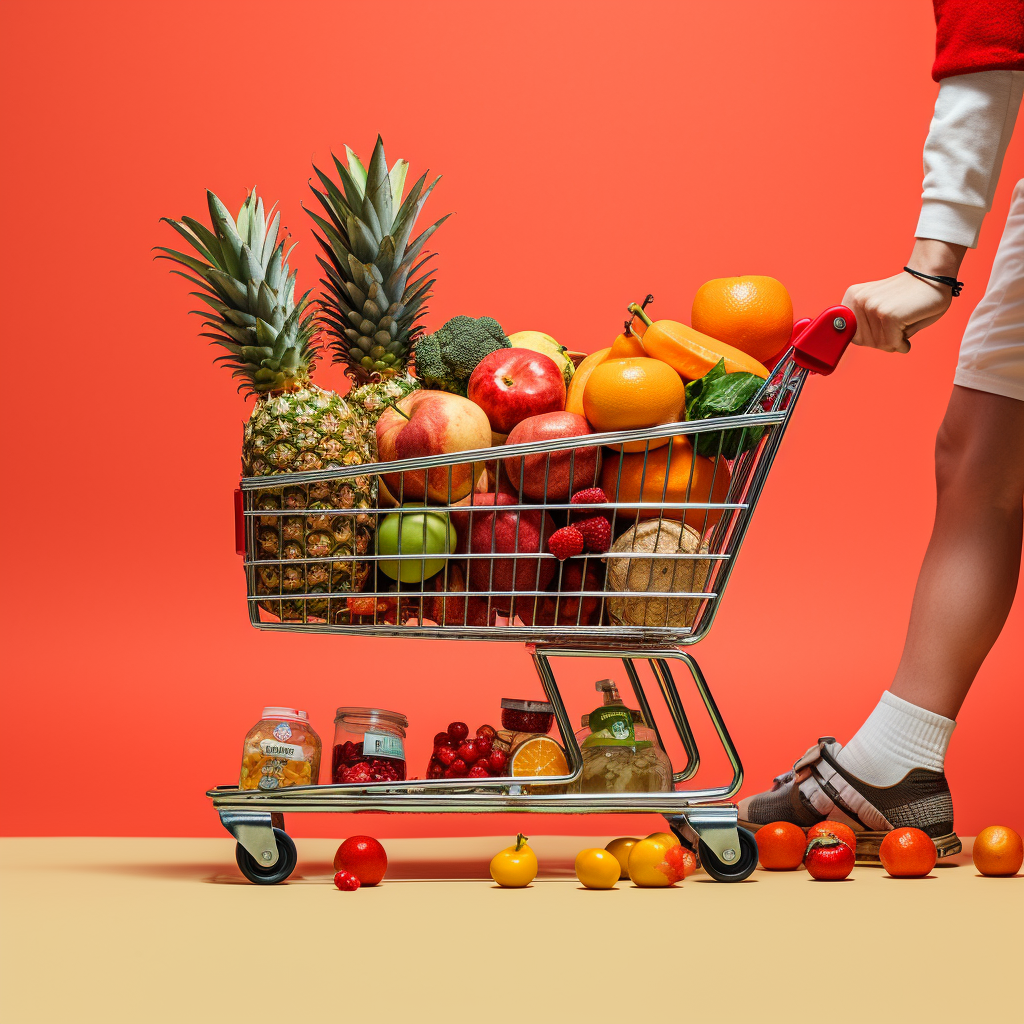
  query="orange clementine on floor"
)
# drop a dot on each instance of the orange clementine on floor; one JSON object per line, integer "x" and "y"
{"x": 626, "y": 394}
{"x": 752, "y": 313}
{"x": 842, "y": 832}
{"x": 907, "y": 853}
{"x": 780, "y": 846}
{"x": 679, "y": 478}
{"x": 998, "y": 851}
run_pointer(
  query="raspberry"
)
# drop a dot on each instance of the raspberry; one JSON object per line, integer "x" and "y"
{"x": 565, "y": 543}
{"x": 596, "y": 532}
{"x": 346, "y": 881}
{"x": 591, "y": 496}
{"x": 478, "y": 771}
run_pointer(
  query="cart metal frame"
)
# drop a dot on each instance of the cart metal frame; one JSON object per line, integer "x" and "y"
{"x": 703, "y": 818}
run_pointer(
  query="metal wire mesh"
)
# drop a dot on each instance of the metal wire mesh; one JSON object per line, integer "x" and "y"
{"x": 680, "y": 498}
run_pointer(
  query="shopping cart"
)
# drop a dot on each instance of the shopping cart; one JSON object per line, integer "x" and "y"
{"x": 663, "y": 582}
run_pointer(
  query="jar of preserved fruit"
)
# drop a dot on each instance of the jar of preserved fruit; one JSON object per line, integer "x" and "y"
{"x": 369, "y": 745}
{"x": 526, "y": 715}
{"x": 280, "y": 750}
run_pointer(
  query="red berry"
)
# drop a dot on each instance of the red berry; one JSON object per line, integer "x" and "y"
{"x": 498, "y": 760}
{"x": 458, "y": 768}
{"x": 346, "y": 881}
{"x": 566, "y": 543}
{"x": 483, "y": 746}
{"x": 441, "y": 740}
{"x": 468, "y": 752}
{"x": 486, "y": 730}
{"x": 591, "y": 496}
{"x": 457, "y": 732}
{"x": 363, "y": 857}
{"x": 597, "y": 533}
{"x": 478, "y": 771}
{"x": 357, "y": 773}
{"x": 435, "y": 771}
{"x": 445, "y": 755}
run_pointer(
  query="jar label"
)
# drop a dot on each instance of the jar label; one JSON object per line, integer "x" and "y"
{"x": 383, "y": 744}
{"x": 288, "y": 751}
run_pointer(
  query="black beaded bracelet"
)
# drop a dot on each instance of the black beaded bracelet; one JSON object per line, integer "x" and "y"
{"x": 955, "y": 285}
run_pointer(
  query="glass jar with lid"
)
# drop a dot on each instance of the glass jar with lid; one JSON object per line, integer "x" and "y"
{"x": 621, "y": 752}
{"x": 280, "y": 750}
{"x": 369, "y": 745}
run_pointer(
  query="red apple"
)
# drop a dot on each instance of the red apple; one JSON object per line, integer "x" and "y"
{"x": 562, "y": 473}
{"x": 483, "y": 529}
{"x": 431, "y": 423}
{"x": 511, "y": 384}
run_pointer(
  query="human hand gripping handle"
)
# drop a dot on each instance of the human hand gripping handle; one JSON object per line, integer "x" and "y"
{"x": 891, "y": 311}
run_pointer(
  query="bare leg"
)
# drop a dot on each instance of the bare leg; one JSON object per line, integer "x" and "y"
{"x": 970, "y": 570}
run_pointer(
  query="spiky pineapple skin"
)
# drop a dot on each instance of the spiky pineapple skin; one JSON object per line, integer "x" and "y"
{"x": 373, "y": 398}
{"x": 294, "y": 431}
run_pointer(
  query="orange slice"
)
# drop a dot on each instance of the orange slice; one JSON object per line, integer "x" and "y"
{"x": 539, "y": 755}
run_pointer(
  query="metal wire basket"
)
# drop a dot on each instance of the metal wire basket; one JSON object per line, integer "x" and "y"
{"x": 678, "y": 506}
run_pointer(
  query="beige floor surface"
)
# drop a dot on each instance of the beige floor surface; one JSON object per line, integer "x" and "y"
{"x": 154, "y": 930}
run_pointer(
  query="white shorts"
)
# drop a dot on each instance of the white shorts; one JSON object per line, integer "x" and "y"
{"x": 992, "y": 351}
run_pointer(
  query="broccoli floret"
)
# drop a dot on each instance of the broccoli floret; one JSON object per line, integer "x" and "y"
{"x": 446, "y": 359}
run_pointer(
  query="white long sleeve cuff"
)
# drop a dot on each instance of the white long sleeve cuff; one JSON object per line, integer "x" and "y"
{"x": 963, "y": 154}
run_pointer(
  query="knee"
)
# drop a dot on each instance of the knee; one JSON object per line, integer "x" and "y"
{"x": 978, "y": 466}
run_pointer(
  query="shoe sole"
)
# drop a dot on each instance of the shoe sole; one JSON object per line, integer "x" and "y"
{"x": 868, "y": 843}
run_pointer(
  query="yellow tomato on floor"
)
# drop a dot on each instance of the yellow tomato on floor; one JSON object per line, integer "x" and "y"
{"x": 619, "y": 849}
{"x": 516, "y": 866}
{"x": 647, "y": 865}
{"x": 597, "y": 869}
{"x": 668, "y": 838}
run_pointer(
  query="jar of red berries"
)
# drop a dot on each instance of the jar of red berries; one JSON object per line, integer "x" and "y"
{"x": 369, "y": 745}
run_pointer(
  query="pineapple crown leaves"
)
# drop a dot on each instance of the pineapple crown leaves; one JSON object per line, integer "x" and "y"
{"x": 243, "y": 276}
{"x": 374, "y": 294}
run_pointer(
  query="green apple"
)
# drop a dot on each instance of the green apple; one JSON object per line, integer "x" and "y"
{"x": 414, "y": 533}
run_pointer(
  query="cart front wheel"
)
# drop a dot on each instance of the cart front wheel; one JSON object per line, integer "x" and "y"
{"x": 736, "y": 871}
{"x": 261, "y": 875}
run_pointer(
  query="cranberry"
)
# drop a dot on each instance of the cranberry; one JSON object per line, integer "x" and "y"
{"x": 346, "y": 881}
{"x": 478, "y": 771}
{"x": 441, "y": 740}
{"x": 458, "y": 731}
{"x": 498, "y": 760}
{"x": 445, "y": 755}
{"x": 435, "y": 771}
{"x": 486, "y": 730}
{"x": 483, "y": 745}
{"x": 459, "y": 767}
{"x": 468, "y": 752}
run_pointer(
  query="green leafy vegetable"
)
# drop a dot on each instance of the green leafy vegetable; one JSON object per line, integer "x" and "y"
{"x": 718, "y": 393}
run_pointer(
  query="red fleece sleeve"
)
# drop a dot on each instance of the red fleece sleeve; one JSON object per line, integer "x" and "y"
{"x": 978, "y": 35}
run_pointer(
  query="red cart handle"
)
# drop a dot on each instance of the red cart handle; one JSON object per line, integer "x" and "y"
{"x": 239, "y": 523}
{"x": 820, "y": 343}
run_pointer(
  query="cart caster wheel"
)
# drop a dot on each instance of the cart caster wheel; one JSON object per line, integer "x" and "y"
{"x": 260, "y": 875}
{"x": 736, "y": 871}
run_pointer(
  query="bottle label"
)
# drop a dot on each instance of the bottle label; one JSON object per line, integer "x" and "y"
{"x": 287, "y": 751}
{"x": 383, "y": 744}
{"x": 615, "y": 726}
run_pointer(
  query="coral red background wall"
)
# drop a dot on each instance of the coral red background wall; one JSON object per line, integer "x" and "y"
{"x": 592, "y": 152}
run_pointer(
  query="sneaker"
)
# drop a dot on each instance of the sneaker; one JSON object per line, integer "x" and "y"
{"x": 819, "y": 789}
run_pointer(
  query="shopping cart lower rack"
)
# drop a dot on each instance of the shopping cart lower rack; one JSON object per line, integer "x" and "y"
{"x": 679, "y": 498}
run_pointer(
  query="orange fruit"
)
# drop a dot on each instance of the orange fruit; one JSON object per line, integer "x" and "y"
{"x": 539, "y": 755}
{"x": 574, "y": 392}
{"x": 626, "y": 345}
{"x": 842, "y": 832}
{"x": 751, "y": 313}
{"x": 597, "y": 869}
{"x": 619, "y": 849}
{"x": 691, "y": 354}
{"x": 648, "y": 868}
{"x": 626, "y": 394}
{"x": 998, "y": 851}
{"x": 667, "y": 479}
{"x": 780, "y": 846}
{"x": 907, "y": 853}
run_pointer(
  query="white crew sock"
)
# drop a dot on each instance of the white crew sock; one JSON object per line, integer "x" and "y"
{"x": 897, "y": 737}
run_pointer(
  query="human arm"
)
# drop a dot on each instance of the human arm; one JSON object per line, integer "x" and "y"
{"x": 980, "y": 62}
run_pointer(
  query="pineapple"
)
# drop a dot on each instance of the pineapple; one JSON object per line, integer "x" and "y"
{"x": 372, "y": 300}
{"x": 243, "y": 276}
